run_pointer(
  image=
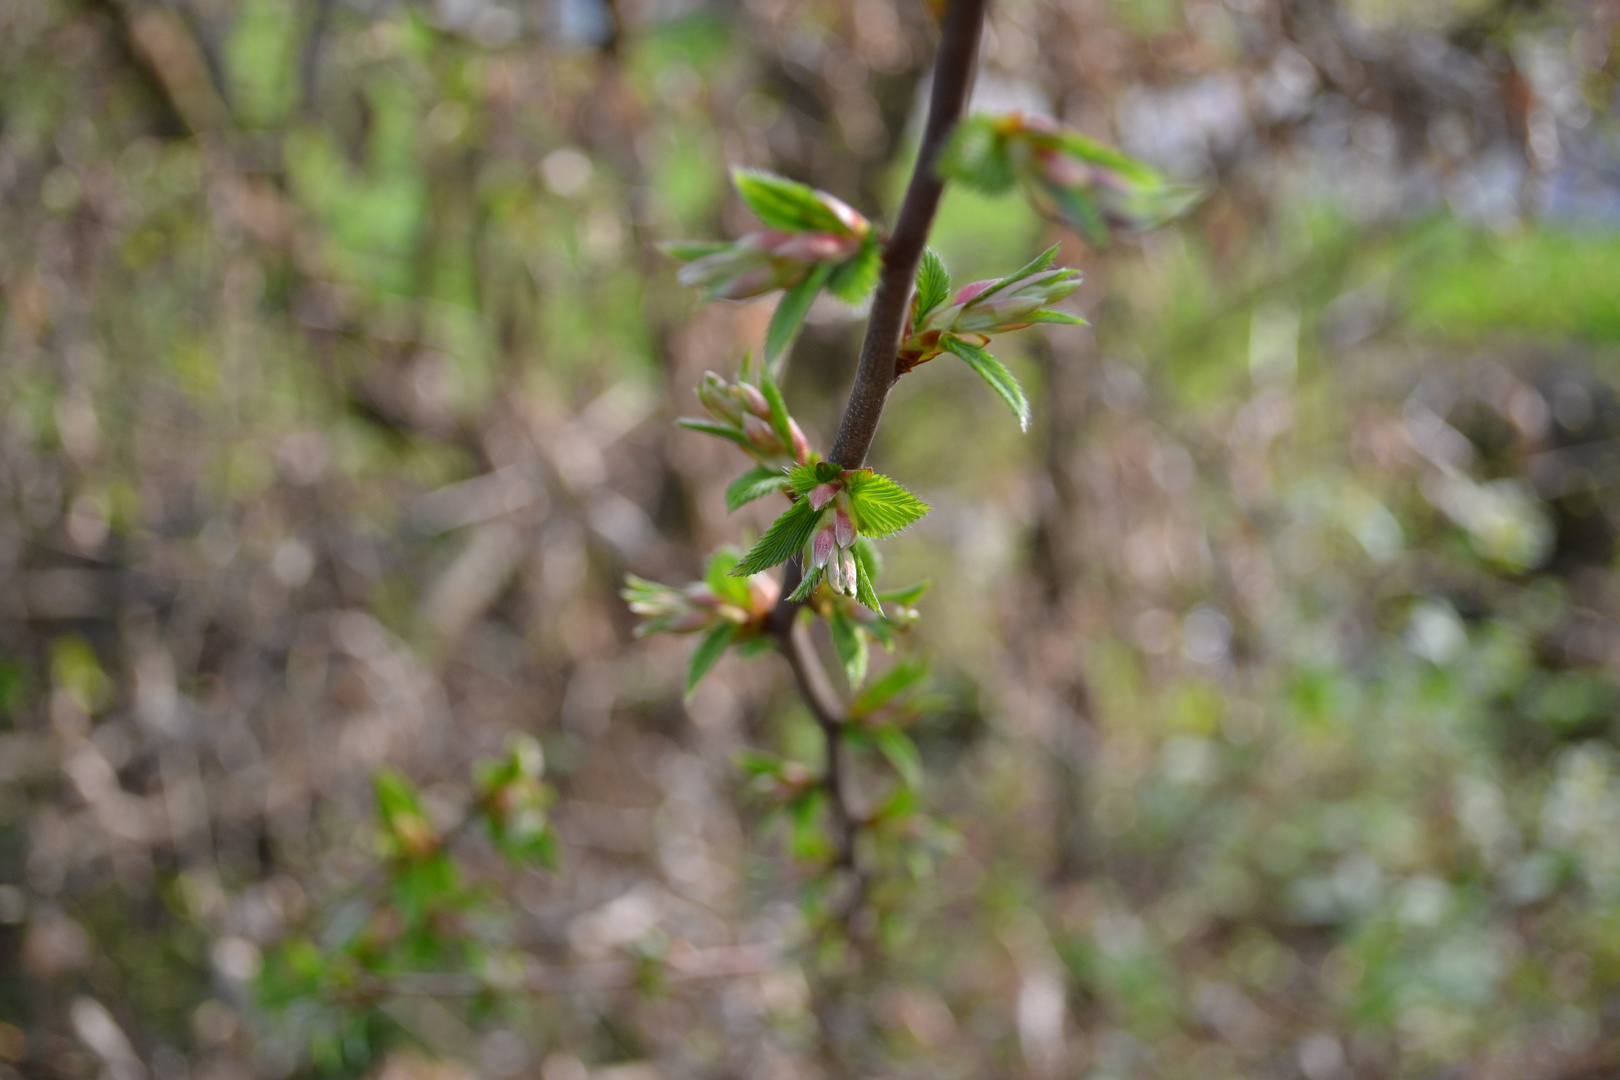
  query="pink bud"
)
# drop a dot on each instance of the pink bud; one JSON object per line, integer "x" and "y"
{"x": 848, "y": 560}
{"x": 844, "y": 528}
{"x": 801, "y": 445}
{"x": 968, "y": 292}
{"x": 754, "y": 400}
{"x": 761, "y": 434}
{"x": 822, "y": 546}
{"x": 835, "y": 574}
{"x": 822, "y": 494}
{"x": 814, "y": 247}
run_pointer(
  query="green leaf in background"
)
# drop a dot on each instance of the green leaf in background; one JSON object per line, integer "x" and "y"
{"x": 756, "y": 483}
{"x": 851, "y": 646}
{"x": 785, "y": 204}
{"x": 790, "y": 312}
{"x": 853, "y": 279}
{"x": 991, "y": 371}
{"x": 895, "y": 681}
{"x": 882, "y": 507}
{"x": 863, "y": 587}
{"x": 901, "y": 752}
{"x": 933, "y": 283}
{"x": 906, "y": 596}
{"x": 785, "y": 538}
{"x": 977, "y": 156}
{"x": 708, "y": 651}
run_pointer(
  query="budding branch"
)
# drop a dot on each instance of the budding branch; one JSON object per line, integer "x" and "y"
{"x": 954, "y": 66}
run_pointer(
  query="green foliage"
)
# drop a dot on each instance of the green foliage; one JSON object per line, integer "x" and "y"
{"x": 709, "y": 650}
{"x": 993, "y": 373}
{"x": 785, "y": 204}
{"x": 784, "y": 539}
{"x": 881, "y": 506}
{"x": 933, "y": 284}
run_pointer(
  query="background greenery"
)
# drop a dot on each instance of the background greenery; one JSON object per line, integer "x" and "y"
{"x": 1278, "y": 722}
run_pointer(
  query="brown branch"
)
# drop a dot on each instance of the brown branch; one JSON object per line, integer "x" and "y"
{"x": 954, "y": 66}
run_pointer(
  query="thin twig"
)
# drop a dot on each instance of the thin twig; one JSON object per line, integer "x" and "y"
{"x": 954, "y": 66}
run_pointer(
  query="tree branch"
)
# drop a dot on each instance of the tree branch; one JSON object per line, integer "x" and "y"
{"x": 954, "y": 66}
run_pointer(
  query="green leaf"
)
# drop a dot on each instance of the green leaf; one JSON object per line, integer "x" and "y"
{"x": 717, "y": 576}
{"x": 851, "y": 646}
{"x": 897, "y": 746}
{"x": 933, "y": 283}
{"x": 756, "y": 483}
{"x": 977, "y": 156}
{"x": 907, "y": 596}
{"x": 882, "y": 507}
{"x": 750, "y": 647}
{"x": 779, "y": 414}
{"x": 708, "y": 651}
{"x": 1117, "y": 161}
{"x": 991, "y": 371}
{"x": 1081, "y": 211}
{"x": 854, "y": 278}
{"x": 895, "y": 681}
{"x": 709, "y": 427}
{"x": 806, "y": 839}
{"x": 1041, "y": 262}
{"x": 790, "y": 312}
{"x": 863, "y": 587}
{"x": 867, "y": 553}
{"x": 785, "y": 204}
{"x": 1062, "y": 318}
{"x": 784, "y": 539}
{"x": 807, "y": 585}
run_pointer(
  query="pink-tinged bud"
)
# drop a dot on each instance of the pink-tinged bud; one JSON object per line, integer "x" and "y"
{"x": 754, "y": 400}
{"x": 690, "y": 622}
{"x": 822, "y": 546}
{"x": 801, "y": 445}
{"x": 764, "y": 592}
{"x": 847, "y": 558}
{"x": 716, "y": 396}
{"x": 822, "y": 494}
{"x": 844, "y": 528}
{"x": 847, "y": 215}
{"x": 814, "y": 247}
{"x": 835, "y": 574}
{"x": 968, "y": 292}
{"x": 1062, "y": 170}
{"x": 762, "y": 435}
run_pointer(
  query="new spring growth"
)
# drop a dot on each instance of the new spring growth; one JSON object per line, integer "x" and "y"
{"x": 806, "y": 230}
{"x": 751, "y": 415}
{"x": 832, "y": 547}
{"x": 698, "y": 607}
{"x": 985, "y": 308}
{"x": 1089, "y": 186}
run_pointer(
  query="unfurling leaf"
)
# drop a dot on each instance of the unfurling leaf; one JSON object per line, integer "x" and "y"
{"x": 933, "y": 283}
{"x": 977, "y": 156}
{"x": 882, "y": 507}
{"x": 756, "y": 483}
{"x": 895, "y": 681}
{"x": 786, "y": 536}
{"x": 854, "y": 278}
{"x": 788, "y": 205}
{"x": 901, "y": 752}
{"x": 993, "y": 372}
{"x": 708, "y": 651}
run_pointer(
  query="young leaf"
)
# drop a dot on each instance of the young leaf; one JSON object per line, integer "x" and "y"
{"x": 779, "y": 413}
{"x": 708, "y": 651}
{"x": 907, "y": 596}
{"x": 808, "y": 585}
{"x": 863, "y": 587}
{"x": 882, "y": 507}
{"x": 895, "y": 681}
{"x": 709, "y": 427}
{"x": 784, "y": 539}
{"x": 785, "y": 204}
{"x": 854, "y": 278}
{"x": 868, "y": 554}
{"x": 756, "y": 483}
{"x": 851, "y": 646}
{"x": 790, "y": 313}
{"x": 687, "y": 250}
{"x": 750, "y": 647}
{"x": 991, "y": 371}
{"x": 897, "y": 746}
{"x": 978, "y": 157}
{"x": 933, "y": 283}
{"x": 1043, "y": 261}
{"x": 718, "y": 578}
{"x": 1062, "y": 318}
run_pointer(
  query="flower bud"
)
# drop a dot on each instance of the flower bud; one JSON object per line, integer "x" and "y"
{"x": 846, "y": 558}
{"x": 822, "y": 546}
{"x": 716, "y": 395}
{"x": 754, "y": 400}
{"x": 822, "y": 494}
{"x": 762, "y": 435}
{"x": 843, "y": 528}
{"x": 801, "y": 445}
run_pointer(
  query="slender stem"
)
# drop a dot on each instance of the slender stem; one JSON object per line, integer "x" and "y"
{"x": 954, "y": 66}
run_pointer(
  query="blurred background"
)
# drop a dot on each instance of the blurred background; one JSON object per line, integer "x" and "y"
{"x": 1278, "y": 715}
